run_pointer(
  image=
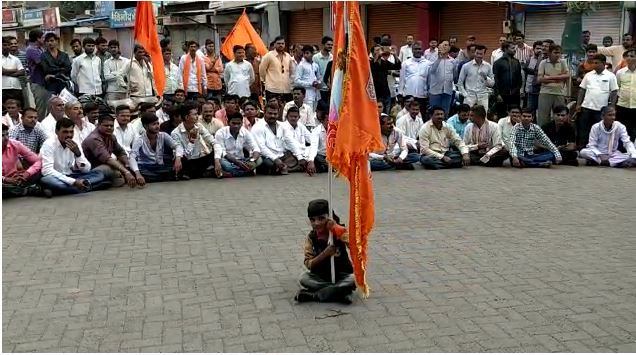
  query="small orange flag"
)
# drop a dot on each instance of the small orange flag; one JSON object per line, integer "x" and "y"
{"x": 354, "y": 129}
{"x": 146, "y": 35}
{"x": 242, "y": 34}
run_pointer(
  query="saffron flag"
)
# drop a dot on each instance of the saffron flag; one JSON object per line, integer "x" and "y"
{"x": 354, "y": 129}
{"x": 146, "y": 35}
{"x": 242, "y": 34}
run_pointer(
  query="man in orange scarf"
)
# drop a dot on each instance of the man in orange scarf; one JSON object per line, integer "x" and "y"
{"x": 193, "y": 78}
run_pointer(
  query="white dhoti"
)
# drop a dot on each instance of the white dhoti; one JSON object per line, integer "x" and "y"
{"x": 615, "y": 159}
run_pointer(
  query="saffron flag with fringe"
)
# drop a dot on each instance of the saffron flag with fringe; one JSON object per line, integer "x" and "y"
{"x": 354, "y": 129}
{"x": 146, "y": 35}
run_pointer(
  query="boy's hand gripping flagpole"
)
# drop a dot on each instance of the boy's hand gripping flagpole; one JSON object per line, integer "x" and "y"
{"x": 353, "y": 131}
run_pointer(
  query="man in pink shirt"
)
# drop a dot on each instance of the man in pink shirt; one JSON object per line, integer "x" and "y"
{"x": 230, "y": 106}
{"x": 15, "y": 180}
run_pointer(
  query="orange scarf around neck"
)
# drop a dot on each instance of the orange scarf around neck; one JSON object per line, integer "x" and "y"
{"x": 186, "y": 74}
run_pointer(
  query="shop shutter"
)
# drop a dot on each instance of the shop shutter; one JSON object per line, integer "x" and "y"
{"x": 398, "y": 20}
{"x": 545, "y": 24}
{"x": 481, "y": 19}
{"x": 606, "y": 21}
{"x": 305, "y": 27}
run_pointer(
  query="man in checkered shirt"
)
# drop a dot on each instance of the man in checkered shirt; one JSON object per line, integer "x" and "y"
{"x": 29, "y": 132}
{"x": 523, "y": 138}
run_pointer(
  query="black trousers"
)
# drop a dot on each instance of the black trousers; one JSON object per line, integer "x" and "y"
{"x": 285, "y": 97}
{"x": 324, "y": 290}
{"x": 496, "y": 160}
{"x": 196, "y": 168}
{"x": 627, "y": 116}
{"x": 508, "y": 101}
{"x": 587, "y": 118}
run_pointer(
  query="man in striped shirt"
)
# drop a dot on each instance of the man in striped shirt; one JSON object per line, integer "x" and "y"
{"x": 523, "y": 138}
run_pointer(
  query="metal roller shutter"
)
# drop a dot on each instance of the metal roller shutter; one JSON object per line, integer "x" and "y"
{"x": 606, "y": 21}
{"x": 398, "y": 20}
{"x": 305, "y": 27}
{"x": 481, "y": 19}
{"x": 547, "y": 24}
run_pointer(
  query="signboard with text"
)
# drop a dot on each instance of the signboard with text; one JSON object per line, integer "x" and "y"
{"x": 104, "y": 8}
{"x": 9, "y": 18}
{"x": 31, "y": 18}
{"x": 121, "y": 18}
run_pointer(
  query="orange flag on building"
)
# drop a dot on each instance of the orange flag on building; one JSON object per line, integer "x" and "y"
{"x": 242, "y": 34}
{"x": 354, "y": 129}
{"x": 146, "y": 35}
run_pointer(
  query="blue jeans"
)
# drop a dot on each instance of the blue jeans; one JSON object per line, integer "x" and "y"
{"x": 442, "y": 100}
{"x": 432, "y": 163}
{"x": 95, "y": 179}
{"x": 380, "y": 164}
{"x": 236, "y": 171}
{"x": 537, "y": 160}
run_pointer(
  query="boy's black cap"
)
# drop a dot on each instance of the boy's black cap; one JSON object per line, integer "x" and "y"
{"x": 317, "y": 207}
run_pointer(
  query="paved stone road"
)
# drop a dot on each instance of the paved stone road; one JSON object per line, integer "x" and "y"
{"x": 474, "y": 260}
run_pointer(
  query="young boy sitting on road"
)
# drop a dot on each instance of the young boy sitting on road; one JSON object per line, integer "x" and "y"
{"x": 316, "y": 283}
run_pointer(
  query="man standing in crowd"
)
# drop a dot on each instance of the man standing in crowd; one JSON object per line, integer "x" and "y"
{"x": 531, "y": 68}
{"x": 508, "y": 81}
{"x": 498, "y": 53}
{"x": 523, "y": 52}
{"x": 172, "y": 73}
{"x": 323, "y": 58}
{"x": 616, "y": 52}
{"x": 213, "y": 70}
{"x": 21, "y": 54}
{"x": 251, "y": 56}
{"x": 414, "y": 75}
{"x": 308, "y": 76}
{"x": 475, "y": 79}
{"x": 36, "y": 76}
{"x": 192, "y": 73}
{"x": 406, "y": 51}
{"x": 56, "y": 65}
{"x": 140, "y": 79}
{"x": 440, "y": 79}
{"x": 276, "y": 69}
{"x": 380, "y": 66}
{"x": 76, "y": 47}
{"x": 553, "y": 76}
{"x": 86, "y": 70}
{"x": 11, "y": 69}
{"x": 239, "y": 74}
{"x": 101, "y": 46}
{"x": 432, "y": 51}
{"x": 470, "y": 40}
{"x": 598, "y": 89}
{"x": 626, "y": 104}
{"x": 116, "y": 75}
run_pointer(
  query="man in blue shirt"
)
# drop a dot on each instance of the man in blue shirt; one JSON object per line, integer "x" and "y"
{"x": 459, "y": 121}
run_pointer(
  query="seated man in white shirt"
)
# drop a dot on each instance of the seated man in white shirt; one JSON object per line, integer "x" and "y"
{"x": 317, "y": 156}
{"x": 65, "y": 169}
{"x": 153, "y": 153}
{"x": 305, "y": 111}
{"x": 410, "y": 125}
{"x": 392, "y": 158}
{"x": 124, "y": 132}
{"x": 505, "y": 125}
{"x": 281, "y": 152}
{"x": 483, "y": 140}
{"x": 56, "y": 113}
{"x": 299, "y": 131}
{"x": 197, "y": 144}
{"x": 435, "y": 138}
{"x": 232, "y": 144}
{"x": 602, "y": 148}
